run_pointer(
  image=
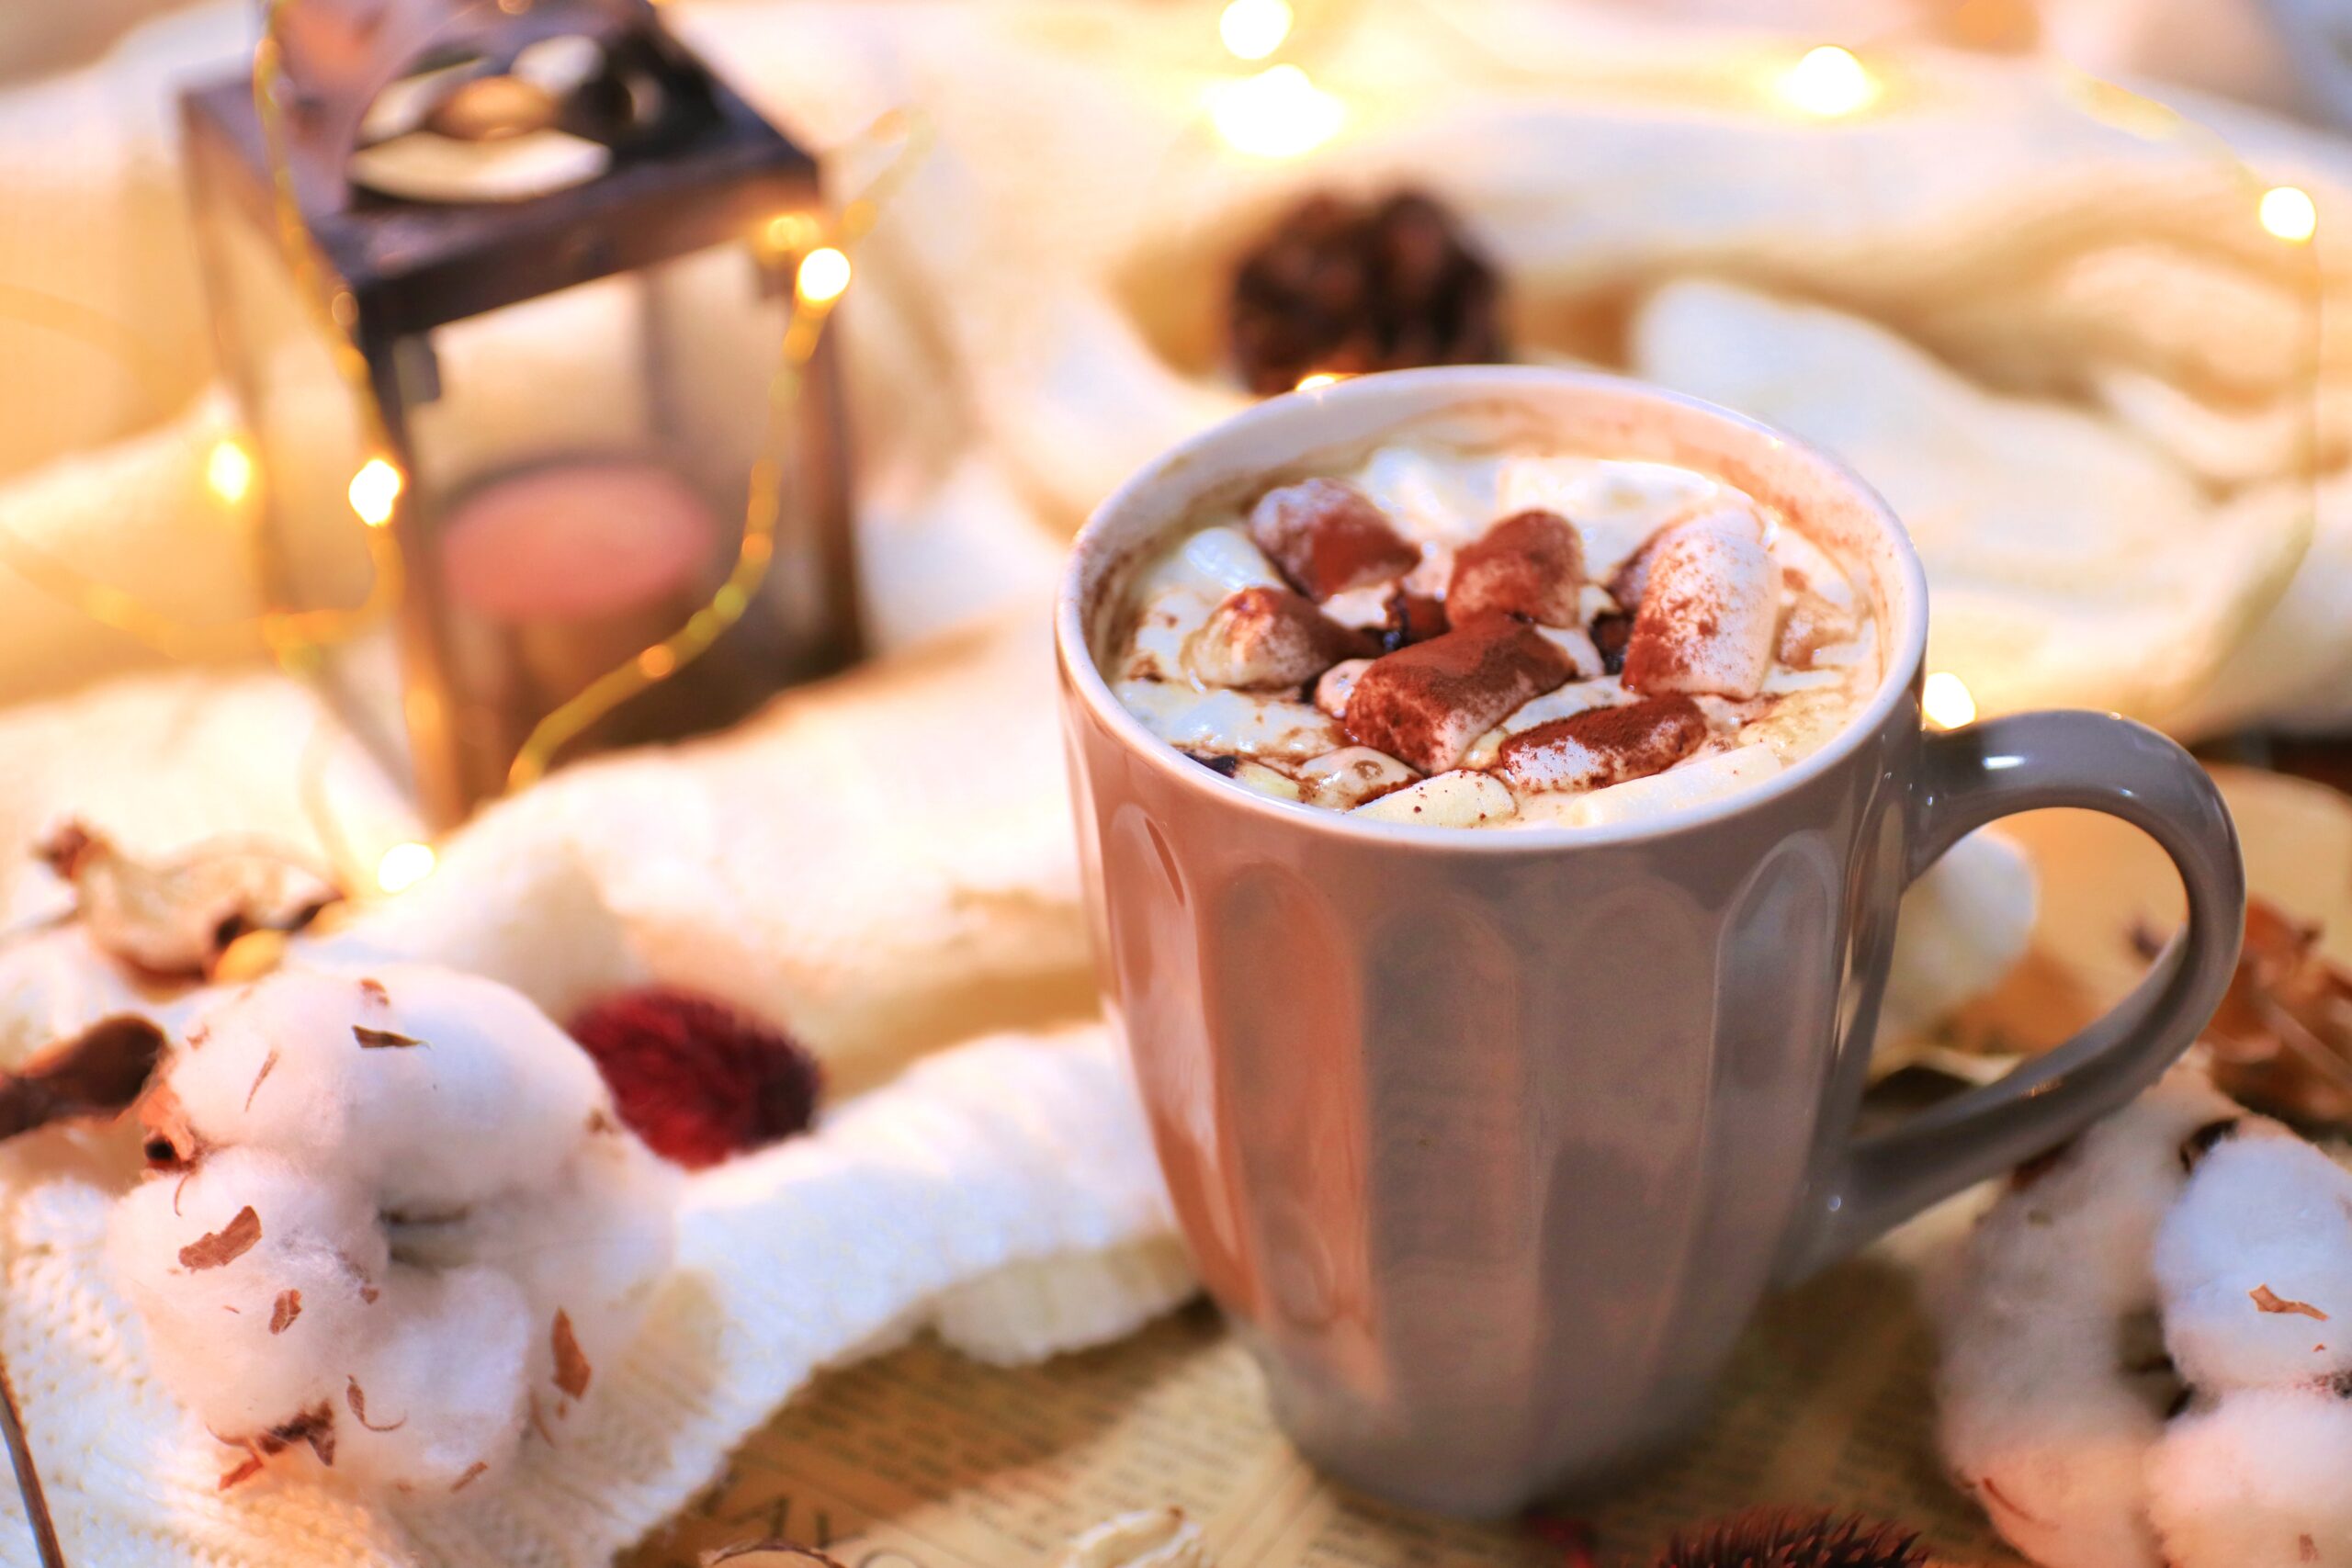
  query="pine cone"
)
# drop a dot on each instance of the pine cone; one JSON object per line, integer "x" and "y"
{"x": 1782, "y": 1537}
{"x": 1344, "y": 287}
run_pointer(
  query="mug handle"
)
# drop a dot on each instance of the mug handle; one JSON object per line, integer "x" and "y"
{"x": 1967, "y": 778}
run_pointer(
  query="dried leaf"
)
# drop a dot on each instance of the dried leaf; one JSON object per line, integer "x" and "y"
{"x": 540, "y": 1422}
{"x": 287, "y": 1308}
{"x": 381, "y": 1039}
{"x": 268, "y": 1066}
{"x": 244, "y": 1473}
{"x": 176, "y": 918}
{"x": 374, "y": 991}
{"x": 571, "y": 1369}
{"x": 226, "y": 1244}
{"x": 98, "y": 1072}
{"x": 472, "y": 1470}
{"x": 2267, "y": 1299}
{"x": 358, "y": 1399}
{"x": 2281, "y": 1041}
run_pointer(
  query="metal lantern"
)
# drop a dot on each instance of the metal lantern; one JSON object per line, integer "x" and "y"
{"x": 513, "y": 281}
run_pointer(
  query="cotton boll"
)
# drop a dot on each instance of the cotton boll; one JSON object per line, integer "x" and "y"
{"x": 384, "y": 1058}
{"x": 2078, "y": 1233}
{"x": 242, "y": 1339}
{"x": 401, "y": 1224}
{"x": 2255, "y": 1264}
{"x": 592, "y": 1242}
{"x": 2041, "y": 1420}
{"x": 2047, "y": 1409}
{"x": 440, "y": 1383}
{"x": 2264, "y": 1480}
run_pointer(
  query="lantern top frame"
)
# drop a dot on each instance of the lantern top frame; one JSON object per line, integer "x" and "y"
{"x": 716, "y": 175}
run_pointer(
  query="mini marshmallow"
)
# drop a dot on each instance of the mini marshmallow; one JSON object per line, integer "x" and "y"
{"x": 1694, "y": 782}
{"x": 1329, "y": 537}
{"x": 1529, "y": 565}
{"x": 1448, "y": 800}
{"x": 1427, "y": 703}
{"x": 1351, "y": 776}
{"x": 1709, "y": 616}
{"x": 1603, "y": 746}
{"x": 398, "y": 1225}
{"x": 2262, "y": 1479}
{"x": 1629, "y": 582}
{"x": 1332, "y": 687}
{"x": 2255, "y": 1267}
{"x": 1230, "y": 723}
{"x": 1267, "y": 638}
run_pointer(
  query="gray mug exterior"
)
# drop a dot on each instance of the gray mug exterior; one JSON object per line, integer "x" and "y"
{"x": 1490, "y": 1142}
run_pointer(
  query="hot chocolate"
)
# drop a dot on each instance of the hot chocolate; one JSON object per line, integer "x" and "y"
{"x": 1454, "y": 639}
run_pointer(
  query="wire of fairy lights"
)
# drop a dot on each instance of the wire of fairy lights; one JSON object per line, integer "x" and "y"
{"x": 820, "y": 282}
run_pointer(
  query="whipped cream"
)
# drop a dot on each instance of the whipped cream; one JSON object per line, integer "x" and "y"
{"x": 1496, "y": 640}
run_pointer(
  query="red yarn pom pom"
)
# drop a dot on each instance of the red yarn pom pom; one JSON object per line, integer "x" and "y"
{"x": 696, "y": 1079}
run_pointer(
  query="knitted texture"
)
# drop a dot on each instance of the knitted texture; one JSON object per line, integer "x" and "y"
{"x": 1018, "y": 1159}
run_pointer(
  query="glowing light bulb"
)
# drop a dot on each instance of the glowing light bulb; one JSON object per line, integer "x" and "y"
{"x": 2288, "y": 213}
{"x": 1829, "y": 81}
{"x": 229, "y": 470}
{"x": 790, "y": 231}
{"x": 1253, "y": 29}
{"x": 1278, "y": 113}
{"x": 1945, "y": 697}
{"x": 1315, "y": 378}
{"x": 403, "y": 866}
{"x": 823, "y": 276}
{"x": 373, "y": 490}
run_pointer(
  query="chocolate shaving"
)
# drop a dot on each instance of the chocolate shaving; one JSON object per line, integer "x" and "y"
{"x": 381, "y": 1039}
{"x": 282, "y": 1314}
{"x": 98, "y": 1072}
{"x": 356, "y": 1398}
{"x": 268, "y": 1066}
{"x": 2267, "y": 1299}
{"x": 571, "y": 1371}
{"x": 226, "y": 1244}
{"x": 472, "y": 1472}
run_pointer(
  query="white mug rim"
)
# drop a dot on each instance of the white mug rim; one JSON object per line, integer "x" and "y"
{"x": 1418, "y": 394}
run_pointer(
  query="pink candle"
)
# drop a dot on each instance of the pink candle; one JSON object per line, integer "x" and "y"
{"x": 581, "y": 565}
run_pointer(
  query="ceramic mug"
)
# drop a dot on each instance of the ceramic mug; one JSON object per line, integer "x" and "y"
{"x": 1490, "y": 1141}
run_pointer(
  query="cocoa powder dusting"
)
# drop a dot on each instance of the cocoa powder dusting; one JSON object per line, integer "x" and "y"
{"x": 1531, "y": 565}
{"x": 1329, "y": 537}
{"x": 1604, "y": 746}
{"x": 1426, "y": 703}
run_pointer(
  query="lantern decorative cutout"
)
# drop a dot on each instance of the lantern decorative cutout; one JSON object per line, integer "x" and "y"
{"x": 515, "y": 280}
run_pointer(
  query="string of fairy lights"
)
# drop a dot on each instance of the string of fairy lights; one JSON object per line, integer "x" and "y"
{"x": 1271, "y": 107}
